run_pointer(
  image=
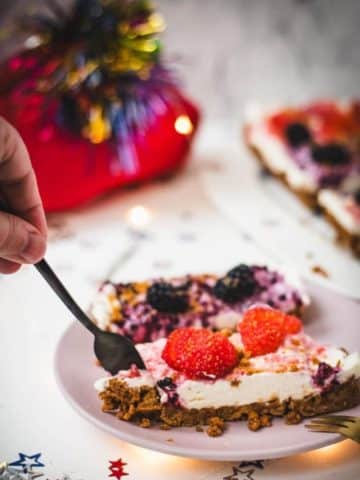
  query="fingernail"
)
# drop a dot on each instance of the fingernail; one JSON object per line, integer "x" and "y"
{"x": 35, "y": 248}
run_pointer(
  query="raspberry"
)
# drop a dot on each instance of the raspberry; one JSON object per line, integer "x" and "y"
{"x": 292, "y": 324}
{"x": 262, "y": 330}
{"x": 200, "y": 353}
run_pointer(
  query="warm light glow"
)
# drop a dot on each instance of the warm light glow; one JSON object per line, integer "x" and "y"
{"x": 138, "y": 217}
{"x": 164, "y": 462}
{"x": 32, "y": 42}
{"x": 335, "y": 451}
{"x": 183, "y": 125}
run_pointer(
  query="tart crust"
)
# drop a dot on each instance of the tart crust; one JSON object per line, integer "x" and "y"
{"x": 142, "y": 406}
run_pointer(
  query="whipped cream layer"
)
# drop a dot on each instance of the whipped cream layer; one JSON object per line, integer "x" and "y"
{"x": 291, "y": 372}
{"x": 122, "y": 308}
{"x": 342, "y": 208}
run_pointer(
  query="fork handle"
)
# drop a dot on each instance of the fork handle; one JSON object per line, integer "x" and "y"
{"x": 49, "y": 275}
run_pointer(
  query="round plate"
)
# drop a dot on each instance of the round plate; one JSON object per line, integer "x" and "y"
{"x": 332, "y": 318}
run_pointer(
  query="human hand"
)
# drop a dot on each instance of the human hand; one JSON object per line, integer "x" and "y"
{"x": 22, "y": 233}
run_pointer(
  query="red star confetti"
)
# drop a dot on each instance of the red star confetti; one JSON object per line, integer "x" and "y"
{"x": 117, "y": 469}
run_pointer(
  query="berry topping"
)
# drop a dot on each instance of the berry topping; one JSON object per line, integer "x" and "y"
{"x": 297, "y": 134}
{"x": 292, "y": 324}
{"x": 262, "y": 330}
{"x": 325, "y": 376}
{"x": 237, "y": 284}
{"x": 331, "y": 154}
{"x": 200, "y": 353}
{"x": 165, "y": 297}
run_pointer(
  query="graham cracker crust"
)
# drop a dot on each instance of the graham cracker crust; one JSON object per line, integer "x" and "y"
{"x": 343, "y": 237}
{"x": 142, "y": 406}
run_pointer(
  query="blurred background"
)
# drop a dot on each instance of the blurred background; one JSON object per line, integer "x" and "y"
{"x": 221, "y": 210}
{"x": 227, "y": 52}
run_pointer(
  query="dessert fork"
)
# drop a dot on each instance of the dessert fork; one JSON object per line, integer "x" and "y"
{"x": 344, "y": 424}
{"x": 114, "y": 352}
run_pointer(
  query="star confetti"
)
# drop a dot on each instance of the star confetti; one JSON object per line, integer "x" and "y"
{"x": 10, "y": 473}
{"x": 242, "y": 472}
{"x": 27, "y": 462}
{"x": 117, "y": 469}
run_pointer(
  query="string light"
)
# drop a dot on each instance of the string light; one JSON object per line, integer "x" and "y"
{"x": 138, "y": 217}
{"x": 183, "y": 125}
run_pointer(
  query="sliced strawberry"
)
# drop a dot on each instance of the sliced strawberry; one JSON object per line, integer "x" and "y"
{"x": 200, "y": 353}
{"x": 292, "y": 324}
{"x": 262, "y": 330}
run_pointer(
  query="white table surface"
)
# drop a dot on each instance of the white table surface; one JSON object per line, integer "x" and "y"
{"x": 186, "y": 233}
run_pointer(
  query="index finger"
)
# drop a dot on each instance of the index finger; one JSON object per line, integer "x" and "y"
{"x": 18, "y": 184}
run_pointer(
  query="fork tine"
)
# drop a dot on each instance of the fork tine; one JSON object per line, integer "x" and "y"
{"x": 329, "y": 421}
{"x": 324, "y": 428}
{"x": 336, "y": 419}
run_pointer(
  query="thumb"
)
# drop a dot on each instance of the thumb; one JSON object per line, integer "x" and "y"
{"x": 20, "y": 241}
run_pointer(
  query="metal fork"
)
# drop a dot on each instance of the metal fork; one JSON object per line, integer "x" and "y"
{"x": 114, "y": 352}
{"x": 346, "y": 425}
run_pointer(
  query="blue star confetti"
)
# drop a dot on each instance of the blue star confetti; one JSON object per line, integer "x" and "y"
{"x": 27, "y": 462}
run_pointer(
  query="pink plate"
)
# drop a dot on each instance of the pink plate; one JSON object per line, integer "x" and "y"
{"x": 332, "y": 318}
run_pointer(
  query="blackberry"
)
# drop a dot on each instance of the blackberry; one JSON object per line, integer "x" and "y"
{"x": 331, "y": 154}
{"x": 237, "y": 284}
{"x": 246, "y": 277}
{"x": 166, "y": 383}
{"x": 167, "y": 298}
{"x": 357, "y": 196}
{"x": 297, "y": 134}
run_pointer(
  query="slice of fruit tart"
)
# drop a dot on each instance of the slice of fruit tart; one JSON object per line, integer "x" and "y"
{"x": 219, "y": 349}
{"x": 267, "y": 368}
{"x": 314, "y": 149}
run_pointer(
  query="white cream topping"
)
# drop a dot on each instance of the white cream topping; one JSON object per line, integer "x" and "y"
{"x": 350, "y": 367}
{"x": 145, "y": 379}
{"x": 335, "y": 204}
{"x": 103, "y": 306}
{"x": 276, "y": 157}
{"x": 226, "y": 320}
{"x": 264, "y": 386}
{"x": 258, "y": 387}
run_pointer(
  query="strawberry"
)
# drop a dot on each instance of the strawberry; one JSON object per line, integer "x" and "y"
{"x": 292, "y": 324}
{"x": 262, "y": 330}
{"x": 200, "y": 353}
